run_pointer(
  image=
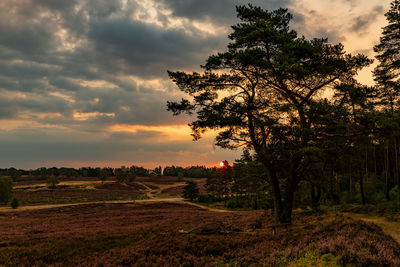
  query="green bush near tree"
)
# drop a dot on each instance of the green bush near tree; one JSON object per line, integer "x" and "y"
{"x": 14, "y": 203}
{"x": 6, "y": 186}
{"x": 52, "y": 182}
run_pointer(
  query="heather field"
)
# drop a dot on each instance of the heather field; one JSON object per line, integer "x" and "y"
{"x": 35, "y": 195}
{"x": 34, "y": 191}
{"x": 172, "y": 234}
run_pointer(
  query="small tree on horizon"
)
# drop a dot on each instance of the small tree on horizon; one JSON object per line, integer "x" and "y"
{"x": 191, "y": 190}
{"x": 14, "y": 203}
{"x": 180, "y": 177}
{"x": 6, "y": 186}
{"x": 52, "y": 182}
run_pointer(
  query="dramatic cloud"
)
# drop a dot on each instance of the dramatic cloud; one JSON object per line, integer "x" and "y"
{"x": 220, "y": 12}
{"x": 364, "y": 21}
{"x": 84, "y": 81}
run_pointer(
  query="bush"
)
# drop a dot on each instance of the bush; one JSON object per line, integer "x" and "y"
{"x": 14, "y": 203}
{"x": 206, "y": 198}
{"x": 314, "y": 258}
{"x": 233, "y": 203}
{"x": 52, "y": 182}
{"x": 395, "y": 193}
{"x": 130, "y": 177}
{"x": 6, "y": 186}
{"x": 180, "y": 177}
{"x": 124, "y": 176}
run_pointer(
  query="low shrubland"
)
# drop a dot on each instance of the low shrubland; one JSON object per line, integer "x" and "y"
{"x": 149, "y": 235}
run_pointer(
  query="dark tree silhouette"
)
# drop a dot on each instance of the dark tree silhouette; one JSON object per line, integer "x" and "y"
{"x": 388, "y": 54}
{"x": 260, "y": 91}
{"x": 6, "y": 186}
{"x": 190, "y": 190}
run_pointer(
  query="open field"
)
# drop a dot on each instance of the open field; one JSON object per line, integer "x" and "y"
{"x": 33, "y": 191}
{"x": 79, "y": 193}
{"x": 147, "y": 223}
{"x": 149, "y": 234}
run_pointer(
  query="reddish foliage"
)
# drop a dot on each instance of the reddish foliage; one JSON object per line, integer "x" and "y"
{"x": 119, "y": 186}
{"x": 135, "y": 186}
{"x": 103, "y": 192}
{"x": 151, "y": 186}
{"x": 202, "y": 188}
{"x": 158, "y": 179}
{"x": 173, "y": 191}
{"x": 26, "y": 180}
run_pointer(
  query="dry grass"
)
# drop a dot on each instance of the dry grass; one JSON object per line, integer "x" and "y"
{"x": 391, "y": 228}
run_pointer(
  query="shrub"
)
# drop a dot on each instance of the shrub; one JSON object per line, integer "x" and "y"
{"x": 120, "y": 175}
{"x": 233, "y": 203}
{"x": 124, "y": 176}
{"x": 130, "y": 177}
{"x": 180, "y": 177}
{"x": 395, "y": 193}
{"x": 14, "y": 203}
{"x": 6, "y": 186}
{"x": 314, "y": 258}
{"x": 52, "y": 182}
{"x": 205, "y": 198}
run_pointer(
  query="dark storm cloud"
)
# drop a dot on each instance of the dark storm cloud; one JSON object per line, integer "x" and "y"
{"x": 221, "y": 11}
{"x": 147, "y": 49}
{"x": 61, "y": 59}
{"x": 362, "y": 22}
{"x": 109, "y": 45}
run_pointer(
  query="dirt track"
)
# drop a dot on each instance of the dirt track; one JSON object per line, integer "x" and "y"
{"x": 389, "y": 227}
{"x": 152, "y": 200}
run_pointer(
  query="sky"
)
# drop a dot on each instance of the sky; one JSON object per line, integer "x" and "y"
{"x": 84, "y": 82}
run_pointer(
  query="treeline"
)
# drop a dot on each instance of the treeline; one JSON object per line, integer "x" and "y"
{"x": 43, "y": 172}
{"x": 243, "y": 185}
{"x": 192, "y": 171}
{"x": 337, "y": 175}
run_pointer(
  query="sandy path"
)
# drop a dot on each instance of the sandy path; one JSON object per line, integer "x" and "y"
{"x": 388, "y": 227}
{"x": 144, "y": 201}
{"x": 70, "y": 183}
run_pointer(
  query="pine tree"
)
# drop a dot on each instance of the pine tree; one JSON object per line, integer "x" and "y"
{"x": 387, "y": 76}
{"x": 388, "y": 54}
{"x": 190, "y": 190}
{"x": 259, "y": 92}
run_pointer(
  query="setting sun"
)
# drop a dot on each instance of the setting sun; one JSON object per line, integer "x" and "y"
{"x": 221, "y": 164}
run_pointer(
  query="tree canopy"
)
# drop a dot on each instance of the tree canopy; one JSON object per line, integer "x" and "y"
{"x": 265, "y": 93}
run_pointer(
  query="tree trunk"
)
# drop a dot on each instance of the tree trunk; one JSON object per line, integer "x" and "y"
{"x": 396, "y": 145}
{"x": 386, "y": 159}
{"x": 282, "y": 210}
{"x": 276, "y": 196}
{"x": 315, "y": 196}
{"x": 290, "y": 189}
{"x": 362, "y": 189}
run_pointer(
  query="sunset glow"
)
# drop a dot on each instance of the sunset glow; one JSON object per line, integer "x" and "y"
{"x": 107, "y": 85}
